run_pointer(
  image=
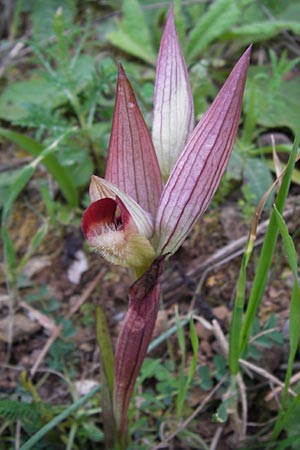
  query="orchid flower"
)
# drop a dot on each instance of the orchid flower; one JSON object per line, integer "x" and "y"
{"x": 135, "y": 220}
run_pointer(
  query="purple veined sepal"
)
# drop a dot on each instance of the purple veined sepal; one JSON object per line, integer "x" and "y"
{"x": 134, "y": 338}
{"x": 173, "y": 114}
{"x": 132, "y": 163}
{"x": 117, "y": 228}
{"x": 198, "y": 171}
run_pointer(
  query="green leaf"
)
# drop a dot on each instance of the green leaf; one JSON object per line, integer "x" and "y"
{"x": 33, "y": 245}
{"x": 257, "y": 180}
{"x": 107, "y": 376}
{"x": 43, "y": 13}
{"x": 195, "y": 346}
{"x": 279, "y": 9}
{"x": 9, "y": 253}
{"x": 294, "y": 348}
{"x": 6, "y": 180}
{"x": 288, "y": 243}
{"x": 204, "y": 374}
{"x": 261, "y": 31}
{"x": 235, "y": 165}
{"x": 17, "y": 410}
{"x": 133, "y": 34}
{"x": 180, "y": 334}
{"x": 162, "y": 373}
{"x": 16, "y": 97}
{"x": 262, "y": 270}
{"x": 83, "y": 70}
{"x": 148, "y": 369}
{"x": 105, "y": 346}
{"x": 292, "y": 425}
{"x": 219, "y": 17}
{"x": 92, "y": 432}
{"x": 275, "y": 99}
{"x": 18, "y": 185}
{"x": 284, "y": 420}
{"x": 253, "y": 352}
{"x": 77, "y": 161}
{"x": 220, "y": 365}
{"x": 59, "y": 173}
{"x": 221, "y": 414}
{"x": 292, "y": 257}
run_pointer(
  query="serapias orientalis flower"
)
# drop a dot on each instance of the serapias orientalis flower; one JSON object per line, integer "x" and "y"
{"x": 135, "y": 220}
{"x": 144, "y": 219}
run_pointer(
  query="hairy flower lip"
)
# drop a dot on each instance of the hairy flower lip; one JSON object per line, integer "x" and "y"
{"x": 106, "y": 216}
{"x": 110, "y": 230}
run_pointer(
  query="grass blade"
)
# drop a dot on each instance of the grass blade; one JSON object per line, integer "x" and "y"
{"x": 287, "y": 242}
{"x": 34, "y": 243}
{"x": 195, "y": 347}
{"x": 237, "y": 314}
{"x": 181, "y": 376}
{"x": 294, "y": 317}
{"x": 107, "y": 376}
{"x": 220, "y": 16}
{"x": 264, "y": 263}
{"x": 283, "y": 419}
{"x": 18, "y": 185}
{"x": 59, "y": 173}
{"x": 10, "y": 257}
{"x": 105, "y": 346}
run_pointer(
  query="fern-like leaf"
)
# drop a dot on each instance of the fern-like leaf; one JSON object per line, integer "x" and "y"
{"x": 17, "y": 410}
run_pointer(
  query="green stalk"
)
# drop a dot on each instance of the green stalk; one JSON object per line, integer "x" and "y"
{"x": 16, "y": 19}
{"x": 181, "y": 375}
{"x": 237, "y": 314}
{"x": 294, "y": 334}
{"x": 107, "y": 378}
{"x": 264, "y": 263}
{"x": 71, "y": 437}
{"x": 283, "y": 418}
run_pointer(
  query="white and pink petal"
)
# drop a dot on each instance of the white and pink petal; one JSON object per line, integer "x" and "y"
{"x": 173, "y": 115}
